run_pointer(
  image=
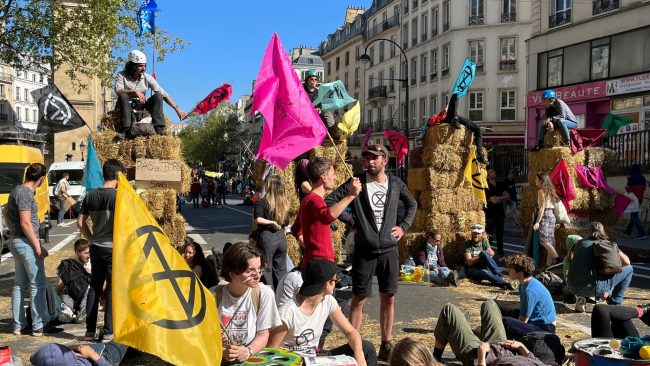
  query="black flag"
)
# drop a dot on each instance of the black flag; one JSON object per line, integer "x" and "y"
{"x": 57, "y": 113}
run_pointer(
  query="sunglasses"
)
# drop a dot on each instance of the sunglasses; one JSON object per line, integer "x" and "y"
{"x": 336, "y": 279}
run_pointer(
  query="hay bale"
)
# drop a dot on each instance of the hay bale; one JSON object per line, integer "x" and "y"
{"x": 450, "y": 200}
{"x": 445, "y": 158}
{"x": 582, "y": 200}
{"x": 445, "y": 134}
{"x": 426, "y": 179}
{"x": 294, "y": 250}
{"x": 110, "y": 121}
{"x": 106, "y": 145}
{"x": 555, "y": 138}
{"x": 419, "y": 220}
{"x": 186, "y": 178}
{"x": 410, "y": 243}
{"x": 140, "y": 147}
{"x": 601, "y": 200}
{"x": 415, "y": 157}
{"x": 174, "y": 228}
{"x": 465, "y": 220}
{"x": 545, "y": 160}
{"x": 164, "y": 147}
{"x": 125, "y": 153}
{"x": 601, "y": 156}
{"x": 154, "y": 200}
{"x": 169, "y": 198}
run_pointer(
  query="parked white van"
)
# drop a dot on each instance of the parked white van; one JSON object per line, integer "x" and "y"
{"x": 77, "y": 189}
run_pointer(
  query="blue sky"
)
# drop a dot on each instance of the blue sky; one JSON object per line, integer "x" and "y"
{"x": 228, "y": 39}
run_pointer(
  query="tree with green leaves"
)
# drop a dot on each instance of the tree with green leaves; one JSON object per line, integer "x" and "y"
{"x": 210, "y": 138}
{"x": 91, "y": 38}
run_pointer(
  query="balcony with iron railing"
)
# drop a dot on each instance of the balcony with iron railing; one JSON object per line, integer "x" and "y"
{"x": 476, "y": 20}
{"x": 559, "y": 18}
{"x": 509, "y": 17}
{"x": 433, "y": 76}
{"x": 387, "y": 24}
{"x": 508, "y": 65}
{"x": 385, "y": 125}
{"x": 445, "y": 72}
{"x": 601, "y": 6}
{"x": 377, "y": 92}
{"x": 332, "y": 44}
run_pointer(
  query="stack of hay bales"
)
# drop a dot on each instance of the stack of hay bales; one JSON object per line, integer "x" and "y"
{"x": 160, "y": 202}
{"x": 326, "y": 150}
{"x": 589, "y": 204}
{"x": 445, "y": 200}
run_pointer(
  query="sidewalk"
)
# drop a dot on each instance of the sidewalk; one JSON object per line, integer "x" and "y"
{"x": 637, "y": 250}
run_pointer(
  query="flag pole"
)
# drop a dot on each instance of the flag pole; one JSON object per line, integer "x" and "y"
{"x": 339, "y": 154}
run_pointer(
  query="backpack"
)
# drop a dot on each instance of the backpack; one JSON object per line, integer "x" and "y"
{"x": 551, "y": 281}
{"x": 545, "y": 346}
{"x": 607, "y": 260}
{"x": 256, "y": 296}
{"x": 215, "y": 260}
{"x": 75, "y": 278}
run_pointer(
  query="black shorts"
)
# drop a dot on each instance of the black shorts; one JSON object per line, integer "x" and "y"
{"x": 365, "y": 266}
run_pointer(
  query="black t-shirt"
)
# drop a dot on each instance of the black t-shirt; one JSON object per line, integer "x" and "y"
{"x": 511, "y": 188}
{"x": 263, "y": 210}
{"x": 100, "y": 206}
{"x": 495, "y": 210}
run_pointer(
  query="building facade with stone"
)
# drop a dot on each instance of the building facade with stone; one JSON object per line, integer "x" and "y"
{"x": 26, "y": 85}
{"x": 6, "y": 95}
{"x": 596, "y": 56}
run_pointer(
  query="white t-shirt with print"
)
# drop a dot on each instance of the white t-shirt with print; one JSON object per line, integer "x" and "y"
{"x": 304, "y": 330}
{"x": 238, "y": 315}
{"x": 377, "y": 194}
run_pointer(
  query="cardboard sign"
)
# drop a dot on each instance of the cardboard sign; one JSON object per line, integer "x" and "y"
{"x": 154, "y": 173}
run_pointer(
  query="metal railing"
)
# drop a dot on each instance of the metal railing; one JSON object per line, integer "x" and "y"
{"x": 508, "y": 65}
{"x": 433, "y": 75}
{"x": 631, "y": 148}
{"x": 346, "y": 36}
{"x": 384, "y": 26}
{"x": 601, "y": 6}
{"x": 559, "y": 18}
{"x": 445, "y": 72}
{"x": 377, "y": 92}
{"x": 476, "y": 20}
{"x": 509, "y": 17}
{"x": 505, "y": 157}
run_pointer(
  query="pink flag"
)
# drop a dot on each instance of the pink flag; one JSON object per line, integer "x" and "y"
{"x": 366, "y": 137}
{"x": 292, "y": 125}
{"x": 399, "y": 144}
{"x": 213, "y": 99}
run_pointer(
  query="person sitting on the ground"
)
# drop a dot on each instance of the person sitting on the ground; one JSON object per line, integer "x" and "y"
{"x": 537, "y": 312}
{"x": 479, "y": 262}
{"x": 132, "y": 83}
{"x": 615, "y": 321}
{"x": 411, "y": 352}
{"x": 557, "y": 115}
{"x": 246, "y": 307}
{"x": 195, "y": 259}
{"x": 102, "y": 354}
{"x": 288, "y": 286}
{"x": 303, "y": 318}
{"x": 432, "y": 256}
{"x": 73, "y": 283}
{"x": 490, "y": 348}
{"x": 584, "y": 280}
{"x": 448, "y": 115}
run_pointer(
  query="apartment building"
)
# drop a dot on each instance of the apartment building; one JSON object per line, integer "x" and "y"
{"x": 6, "y": 95}
{"x": 26, "y": 84}
{"x": 596, "y": 56}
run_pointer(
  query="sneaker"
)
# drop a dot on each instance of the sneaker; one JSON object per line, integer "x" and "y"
{"x": 48, "y": 329}
{"x": 17, "y": 332}
{"x": 581, "y": 304}
{"x": 66, "y": 315}
{"x": 384, "y": 350}
{"x": 646, "y": 313}
{"x": 512, "y": 285}
{"x": 107, "y": 337}
{"x": 452, "y": 278}
{"x": 89, "y": 337}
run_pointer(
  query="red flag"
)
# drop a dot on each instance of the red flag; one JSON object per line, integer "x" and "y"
{"x": 213, "y": 99}
{"x": 399, "y": 144}
{"x": 583, "y": 138}
{"x": 562, "y": 182}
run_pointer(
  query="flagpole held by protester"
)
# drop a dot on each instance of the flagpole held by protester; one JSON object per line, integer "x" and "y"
{"x": 339, "y": 154}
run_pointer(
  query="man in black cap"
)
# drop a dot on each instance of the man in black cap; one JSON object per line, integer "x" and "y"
{"x": 303, "y": 318}
{"x": 378, "y": 229}
{"x": 311, "y": 88}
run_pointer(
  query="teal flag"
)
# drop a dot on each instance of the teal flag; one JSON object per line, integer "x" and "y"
{"x": 614, "y": 122}
{"x": 423, "y": 133}
{"x": 333, "y": 96}
{"x": 93, "y": 177}
{"x": 465, "y": 78}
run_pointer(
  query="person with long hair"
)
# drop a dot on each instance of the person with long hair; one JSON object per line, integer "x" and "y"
{"x": 271, "y": 215}
{"x": 247, "y": 309}
{"x": 195, "y": 259}
{"x": 545, "y": 223}
{"x": 411, "y": 352}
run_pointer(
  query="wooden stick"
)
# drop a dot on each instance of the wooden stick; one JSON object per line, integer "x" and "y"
{"x": 340, "y": 156}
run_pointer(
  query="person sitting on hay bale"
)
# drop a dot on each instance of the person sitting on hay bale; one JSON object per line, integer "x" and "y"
{"x": 432, "y": 256}
{"x": 311, "y": 88}
{"x": 537, "y": 311}
{"x": 131, "y": 85}
{"x": 490, "y": 348}
{"x": 479, "y": 262}
{"x": 558, "y": 115}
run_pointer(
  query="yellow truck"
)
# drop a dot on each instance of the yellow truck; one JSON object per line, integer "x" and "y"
{"x": 17, "y": 151}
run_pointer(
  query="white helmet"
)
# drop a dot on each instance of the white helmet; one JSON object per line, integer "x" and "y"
{"x": 137, "y": 57}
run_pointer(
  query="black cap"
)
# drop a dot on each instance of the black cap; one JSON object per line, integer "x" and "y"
{"x": 314, "y": 277}
{"x": 375, "y": 150}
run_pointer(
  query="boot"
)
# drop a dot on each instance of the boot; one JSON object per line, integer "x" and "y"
{"x": 454, "y": 122}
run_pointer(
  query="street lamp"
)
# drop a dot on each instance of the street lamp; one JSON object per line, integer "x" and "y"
{"x": 82, "y": 147}
{"x": 366, "y": 59}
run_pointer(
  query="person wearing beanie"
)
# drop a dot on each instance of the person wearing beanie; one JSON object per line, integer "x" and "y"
{"x": 303, "y": 318}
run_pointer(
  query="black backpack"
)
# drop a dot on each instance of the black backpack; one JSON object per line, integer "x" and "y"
{"x": 607, "y": 260}
{"x": 551, "y": 281}
{"x": 215, "y": 260}
{"x": 545, "y": 346}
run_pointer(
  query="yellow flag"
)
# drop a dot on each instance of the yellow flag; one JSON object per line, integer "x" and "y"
{"x": 476, "y": 176}
{"x": 159, "y": 305}
{"x": 350, "y": 121}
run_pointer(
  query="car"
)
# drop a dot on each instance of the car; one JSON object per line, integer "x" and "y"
{"x": 77, "y": 188}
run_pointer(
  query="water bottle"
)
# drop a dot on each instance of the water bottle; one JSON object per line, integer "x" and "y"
{"x": 427, "y": 275}
{"x": 410, "y": 261}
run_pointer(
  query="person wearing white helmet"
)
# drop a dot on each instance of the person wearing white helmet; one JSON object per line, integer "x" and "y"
{"x": 132, "y": 83}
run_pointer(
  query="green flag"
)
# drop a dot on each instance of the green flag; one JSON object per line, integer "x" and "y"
{"x": 613, "y": 122}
